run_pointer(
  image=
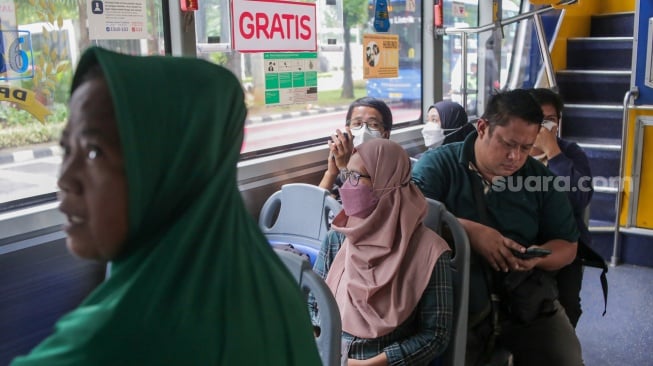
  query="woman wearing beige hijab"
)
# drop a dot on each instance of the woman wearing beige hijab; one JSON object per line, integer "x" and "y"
{"x": 389, "y": 273}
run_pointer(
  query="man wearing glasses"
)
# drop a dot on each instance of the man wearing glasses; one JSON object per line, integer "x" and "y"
{"x": 507, "y": 201}
{"x": 367, "y": 118}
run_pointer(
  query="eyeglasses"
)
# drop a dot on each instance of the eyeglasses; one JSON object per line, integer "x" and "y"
{"x": 352, "y": 176}
{"x": 372, "y": 123}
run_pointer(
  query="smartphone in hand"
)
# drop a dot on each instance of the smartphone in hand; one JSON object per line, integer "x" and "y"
{"x": 532, "y": 252}
{"x": 345, "y": 134}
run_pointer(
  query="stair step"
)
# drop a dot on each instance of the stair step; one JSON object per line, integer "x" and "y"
{"x": 605, "y": 144}
{"x": 602, "y": 243}
{"x": 581, "y": 122}
{"x": 603, "y": 163}
{"x": 597, "y": 86}
{"x": 595, "y": 72}
{"x": 613, "y": 25}
{"x": 602, "y": 207}
{"x": 611, "y": 53}
{"x": 610, "y": 188}
{"x": 636, "y": 246}
{"x": 598, "y": 226}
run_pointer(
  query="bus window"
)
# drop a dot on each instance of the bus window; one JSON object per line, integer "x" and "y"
{"x": 273, "y": 126}
{"x": 459, "y": 14}
{"x": 464, "y": 14}
{"x": 39, "y": 45}
{"x": 406, "y": 22}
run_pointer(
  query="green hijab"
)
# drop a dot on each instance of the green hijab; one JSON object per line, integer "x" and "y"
{"x": 197, "y": 284}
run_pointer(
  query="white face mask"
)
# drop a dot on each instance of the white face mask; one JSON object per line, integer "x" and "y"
{"x": 433, "y": 134}
{"x": 364, "y": 134}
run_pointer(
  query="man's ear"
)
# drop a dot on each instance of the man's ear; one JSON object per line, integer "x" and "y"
{"x": 482, "y": 126}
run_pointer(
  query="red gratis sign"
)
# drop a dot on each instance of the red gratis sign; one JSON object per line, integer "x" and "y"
{"x": 264, "y": 26}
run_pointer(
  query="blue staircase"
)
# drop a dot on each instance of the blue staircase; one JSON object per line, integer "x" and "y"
{"x": 593, "y": 87}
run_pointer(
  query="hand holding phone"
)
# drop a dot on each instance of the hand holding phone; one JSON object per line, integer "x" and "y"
{"x": 532, "y": 252}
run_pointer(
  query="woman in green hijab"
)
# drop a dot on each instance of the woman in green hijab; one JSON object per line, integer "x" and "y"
{"x": 148, "y": 182}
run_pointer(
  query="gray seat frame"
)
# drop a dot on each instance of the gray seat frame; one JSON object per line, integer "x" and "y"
{"x": 329, "y": 340}
{"x": 436, "y": 218}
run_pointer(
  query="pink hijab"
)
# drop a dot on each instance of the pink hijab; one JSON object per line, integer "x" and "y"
{"x": 386, "y": 260}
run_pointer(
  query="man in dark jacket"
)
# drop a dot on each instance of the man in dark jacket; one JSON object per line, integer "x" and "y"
{"x": 567, "y": 160}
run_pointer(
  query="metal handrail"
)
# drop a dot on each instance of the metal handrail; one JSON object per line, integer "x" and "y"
{"x": 633, "y": 93}
{"x": 502, "y": 22}
{"x": 544, "y": 50}
{"x": 546, "y": 56}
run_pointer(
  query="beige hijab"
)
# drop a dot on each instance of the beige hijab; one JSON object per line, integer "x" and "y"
{"x": 386, "y": 261}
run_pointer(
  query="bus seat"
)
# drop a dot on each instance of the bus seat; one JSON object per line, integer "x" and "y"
{"x": 298, "y": 214}
{"x": 437, "y": 218}
{"x": 329, "y": 340}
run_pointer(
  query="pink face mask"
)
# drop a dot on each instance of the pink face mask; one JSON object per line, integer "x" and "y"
{"x": 358, "y": 201}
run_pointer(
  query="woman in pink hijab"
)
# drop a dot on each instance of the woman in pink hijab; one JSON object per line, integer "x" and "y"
{"x": 389, "y": 273}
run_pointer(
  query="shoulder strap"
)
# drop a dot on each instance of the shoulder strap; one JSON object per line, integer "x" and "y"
{"x": 495, "y": 300}
{"x": 592, "y": 259}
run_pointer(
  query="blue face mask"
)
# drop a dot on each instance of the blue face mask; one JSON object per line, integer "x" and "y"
{"x": 358, "y": 201}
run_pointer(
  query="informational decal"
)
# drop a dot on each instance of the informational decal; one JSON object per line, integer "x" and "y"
{"x": 290, "y": 77}
{"x": 458, "y": 9}
{"x": 26, "y": 99}
{"x": 380, "y": 56}
{"x": 116, "y": 19}
{"x": 7, "y": 14}
{"x": 16, "y": 58}
{"x": 259, "y": 26}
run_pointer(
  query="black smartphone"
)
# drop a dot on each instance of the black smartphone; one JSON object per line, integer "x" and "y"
{"x": 345, "y": 134}
{"x": 532, "y": 252}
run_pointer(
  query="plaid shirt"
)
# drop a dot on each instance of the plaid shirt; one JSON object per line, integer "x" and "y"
{"x": 419, "y": 339}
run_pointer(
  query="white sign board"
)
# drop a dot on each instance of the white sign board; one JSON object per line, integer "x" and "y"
{"x": 261, "y": 26}
{"x": 116, "y": 19}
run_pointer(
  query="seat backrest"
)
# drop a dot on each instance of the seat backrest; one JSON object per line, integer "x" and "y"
{"x": 436, "y": 219}
{"x": 298, "y": 214}
{"x": 329, "y": 340}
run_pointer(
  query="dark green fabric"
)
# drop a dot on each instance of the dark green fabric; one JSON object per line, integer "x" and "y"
{"x": 198, "y": 283}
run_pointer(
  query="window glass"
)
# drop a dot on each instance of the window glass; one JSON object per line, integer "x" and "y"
{"x": 463, "y": 14}
{"x": 510, "y": 9}
{"x": 460, "y": 14}
{"x": 339, "y": 72}
{"x": 40, "y": 46}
